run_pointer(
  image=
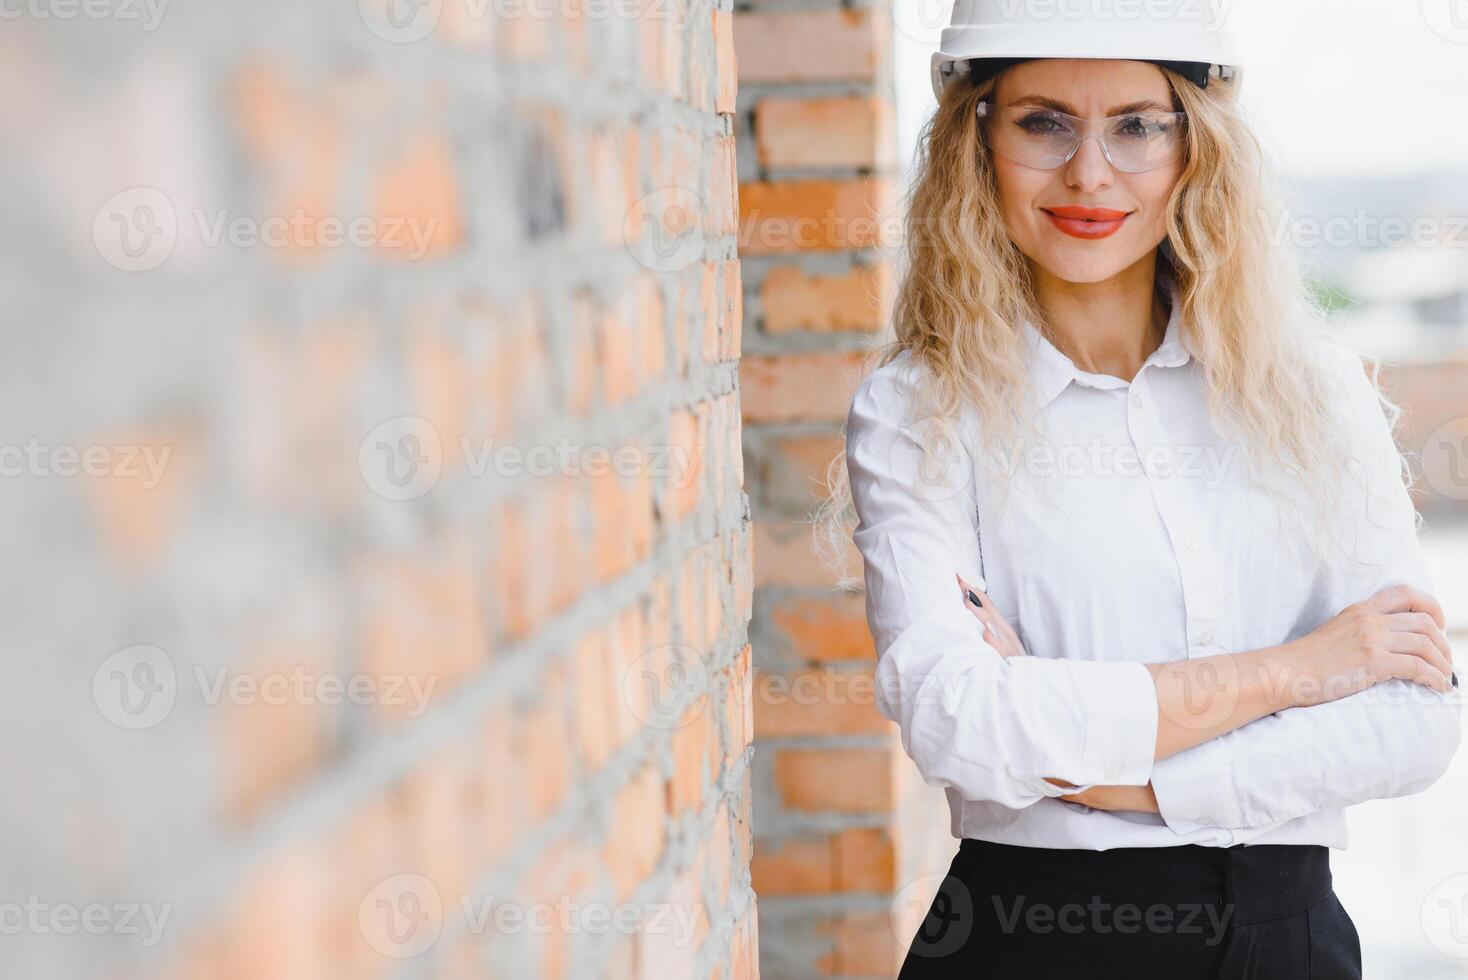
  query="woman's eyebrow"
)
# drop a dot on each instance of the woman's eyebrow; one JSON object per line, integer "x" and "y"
{"x": 1145, "y": 105}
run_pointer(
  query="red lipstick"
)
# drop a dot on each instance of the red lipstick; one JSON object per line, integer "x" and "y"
{"x": 1087, "y": 223}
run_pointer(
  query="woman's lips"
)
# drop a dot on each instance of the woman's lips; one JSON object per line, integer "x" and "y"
{"x": 1087, "y": 223}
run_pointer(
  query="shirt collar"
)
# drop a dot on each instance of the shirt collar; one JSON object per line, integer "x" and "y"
{"x": 1053, "y": 371}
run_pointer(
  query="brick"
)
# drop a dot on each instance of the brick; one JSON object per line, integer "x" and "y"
{"x": 137, "y": 509}
{"x": 857, "y": 780}
{"x": 282, "y": 898}
{"x": 798, "y": 866}
{"x": 612, "y": 168}
{"x": 462, "y": 24}
{"x": 511, "y": 363}
{"x": 442, "y": 379}
{"x": 824, "y": 630}
{"x": 423, "y": 628}
{"x": 502, "y": 816}
{"x": 814, "y": 386}
{"x": 435, "y": 819}
{"x": 739, "y": 707}
{"x": 719, "y": 850}
{"x": 732, "y": 323}
{"x": 809, "y": 45}
{"x": 724, "y": 50}
{"x": 863, "y": 945}
{"x": 866, "y": 860}
{"x": 785, "y": 555}
{"x": 723, "y": 197}
{"x": 526, "y": 38}
{"x": 421, "y": 189}
{"x": 743, "y": 947}
{"x": 857, "y": 301}
{"x": 296, "y": 138}
{"x": 784, "y": 217}
{"x": 695, "y": 756}
{"x": 542, "y": 741}
{"x": 635, "y": 836}
{"x": 595, "y": 692}
{"x": 653, "y": 330}
{"x": 273, "y": 738}
{"x": 622, "y": 521}
{"x": 792, "y": 471}
{"x": 688, "y": 445}
{"x": 816, "y": 702}
{"x": 855, "y": 131}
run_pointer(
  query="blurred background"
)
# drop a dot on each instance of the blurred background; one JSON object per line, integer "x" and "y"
{"x": 411, "y": 415}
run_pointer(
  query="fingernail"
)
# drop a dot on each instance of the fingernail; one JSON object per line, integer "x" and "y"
{"x": 973, "y": 597}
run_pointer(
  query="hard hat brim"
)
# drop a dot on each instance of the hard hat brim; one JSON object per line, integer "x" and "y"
{"x": 1088, "y": 41}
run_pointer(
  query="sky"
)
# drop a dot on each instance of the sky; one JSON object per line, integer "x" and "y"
{"x": 1349, "y": 87}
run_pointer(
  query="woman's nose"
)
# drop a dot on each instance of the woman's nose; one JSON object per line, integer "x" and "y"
{"x": 1089, "y": 168}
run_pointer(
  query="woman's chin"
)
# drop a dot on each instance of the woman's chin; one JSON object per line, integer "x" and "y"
{"x": 1087, "y": 269}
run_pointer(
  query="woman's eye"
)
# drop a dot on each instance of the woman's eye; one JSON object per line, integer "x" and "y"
{"x": 1042, "y": 124}
{"x": 1138, "y": 127}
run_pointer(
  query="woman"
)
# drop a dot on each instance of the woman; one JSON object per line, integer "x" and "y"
{"x": 1109, "y": 411}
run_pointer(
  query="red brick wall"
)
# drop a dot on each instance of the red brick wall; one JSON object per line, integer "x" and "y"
{"x": 365, "y": 484}
{"x": 843, "y": 823}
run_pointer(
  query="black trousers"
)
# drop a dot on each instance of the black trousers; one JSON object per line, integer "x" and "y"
{"x": 1240, "y": 913}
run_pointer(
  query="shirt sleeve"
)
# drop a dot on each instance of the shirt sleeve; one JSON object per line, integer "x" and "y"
{"x": 1392, "y": 739}
{"x": 989, "y": 727}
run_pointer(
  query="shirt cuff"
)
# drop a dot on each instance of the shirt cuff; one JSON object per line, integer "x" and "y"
{"x": 1119, "y": 702}
{"x": 1195, "y": 789}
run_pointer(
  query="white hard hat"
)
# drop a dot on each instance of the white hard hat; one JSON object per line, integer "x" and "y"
{"x": 1186, "y": 35}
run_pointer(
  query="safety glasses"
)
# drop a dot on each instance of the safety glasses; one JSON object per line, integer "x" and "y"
{"x": 1045, "y": 139}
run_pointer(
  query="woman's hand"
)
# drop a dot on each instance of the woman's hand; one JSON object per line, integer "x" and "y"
{"x": 1138, "y": 799}
{"x": 1397, "y": 633}
{"x": 997, "y": 630}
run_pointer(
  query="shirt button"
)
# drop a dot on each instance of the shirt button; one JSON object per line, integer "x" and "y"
{"x": 1137, "y": 400}
{"x": 1205, "y": 638}
{"x": 1191, "y": 543}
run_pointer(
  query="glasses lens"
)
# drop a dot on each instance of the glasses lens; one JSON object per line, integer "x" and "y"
{"x": 1145, "y": 140}
{"x": 1044, "y": 139}
{"x": 1036, "y": 138}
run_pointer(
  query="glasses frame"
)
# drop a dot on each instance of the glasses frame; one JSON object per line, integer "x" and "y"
{"x": 988, "y": 112}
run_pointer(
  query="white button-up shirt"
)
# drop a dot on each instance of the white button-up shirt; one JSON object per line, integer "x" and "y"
{"x": 1147, "y": 545}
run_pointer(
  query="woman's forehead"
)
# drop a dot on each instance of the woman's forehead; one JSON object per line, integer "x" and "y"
{"x": 1088, "y": 84}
